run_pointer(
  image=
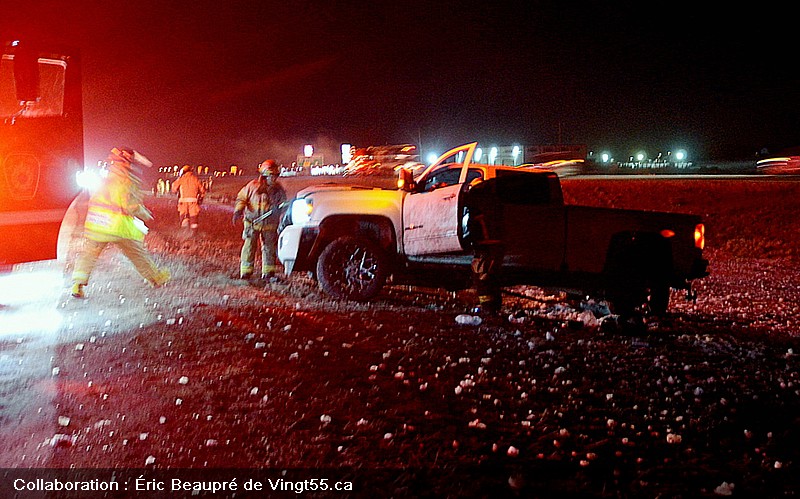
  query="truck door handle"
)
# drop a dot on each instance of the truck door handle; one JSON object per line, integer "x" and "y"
{"x": 447, "y": 198}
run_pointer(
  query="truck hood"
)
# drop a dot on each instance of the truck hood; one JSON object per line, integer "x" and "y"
{"x": 334, "y": 187}
{"x": 353, "y": 200}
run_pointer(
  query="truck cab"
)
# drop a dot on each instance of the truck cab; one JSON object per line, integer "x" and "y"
{"x": 443, "y": 200}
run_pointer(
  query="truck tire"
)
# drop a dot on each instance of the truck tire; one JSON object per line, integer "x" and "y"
{"x": 352, "y": 268}
{"x": 658, "y": 301}
{"x": 638, "y": 266}
{"x": 626, "y": 301}
{"x": 652, "y": 300}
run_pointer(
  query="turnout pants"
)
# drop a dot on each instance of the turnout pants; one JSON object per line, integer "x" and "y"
{"x": 134, "y": 250}
{"x": 485, "y": 276}
{"x": 267, "y": 236}
{"x": 189, "y": 211}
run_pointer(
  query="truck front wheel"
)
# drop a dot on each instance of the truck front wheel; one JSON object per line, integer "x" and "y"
{"x": 352, "y": 268}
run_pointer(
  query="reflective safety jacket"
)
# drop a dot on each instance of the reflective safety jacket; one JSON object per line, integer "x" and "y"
{"x": 113, "y": 208}
{"x": 189, "y": 188}
{"x": 257, "y": 199}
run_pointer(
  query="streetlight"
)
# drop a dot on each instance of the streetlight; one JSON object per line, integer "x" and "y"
{"x": 515, "y": 154}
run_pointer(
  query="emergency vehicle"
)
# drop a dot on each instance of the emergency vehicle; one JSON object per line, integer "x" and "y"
{"x": 41, "y": 148}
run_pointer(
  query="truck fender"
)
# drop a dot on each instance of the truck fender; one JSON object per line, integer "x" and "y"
{"x": 374, "y": 227}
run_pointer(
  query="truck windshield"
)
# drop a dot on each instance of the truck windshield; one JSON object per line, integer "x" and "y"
{"x": 51, "y": 90}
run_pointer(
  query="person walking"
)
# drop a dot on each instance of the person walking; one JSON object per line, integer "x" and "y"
{"x": 259, "y": 205}
{"x": 115, "y": 216}
{"x": 190, "y": 196}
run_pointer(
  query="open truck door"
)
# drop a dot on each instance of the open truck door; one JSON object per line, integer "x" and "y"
{"x": 431, "y": 209}
{"x": 41, "y": 148}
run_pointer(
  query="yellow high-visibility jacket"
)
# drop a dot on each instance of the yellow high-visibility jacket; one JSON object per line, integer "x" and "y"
{"x": 112, "y": 210}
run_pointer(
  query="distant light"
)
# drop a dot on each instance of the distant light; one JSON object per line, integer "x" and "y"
{"x": 347, "y": 154}
{"x": 605, "y": 157}
{"x": 640, "y": 156}
{"x": 680, "y": 155}
{"x": 515, "y": 153}
{"x": 432, "y": 156}
{"x": 308, "y": 150}
{"x": 492, "y": 155}
{"x": 478, "y": 154}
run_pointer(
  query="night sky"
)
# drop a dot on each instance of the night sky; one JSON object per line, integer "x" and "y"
{"x": 227, "y": 82}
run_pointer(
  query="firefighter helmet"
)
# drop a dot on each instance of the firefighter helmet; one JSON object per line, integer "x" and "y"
{"x": 128, "y": 155}
{"x": 121, "y": 154}
{"x": 269, "y": 167}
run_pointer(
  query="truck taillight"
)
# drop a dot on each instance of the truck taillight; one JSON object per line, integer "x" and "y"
{"x": 700, "y": 236}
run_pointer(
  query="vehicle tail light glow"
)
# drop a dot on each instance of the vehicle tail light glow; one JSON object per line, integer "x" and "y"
{"x": 700, "y": 236}
{"x": 667, "y": 233}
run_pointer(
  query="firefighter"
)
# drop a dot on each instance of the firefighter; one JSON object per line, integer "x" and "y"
{"x": 190, "y": 196}
{"x": 115, "y": 216}
{"x": 259, "y": 204}
{"x": 486, "y": 261}
{"x": 484, "y": 228}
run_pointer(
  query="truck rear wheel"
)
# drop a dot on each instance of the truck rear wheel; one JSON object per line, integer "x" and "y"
{"x": 638, "y": 269}
{"x": 652, "y": 300}
{"x": 352, "y": 268}
{"x": 658, "y": 301}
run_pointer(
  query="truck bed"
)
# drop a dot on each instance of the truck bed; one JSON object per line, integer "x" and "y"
{"x": 577, "y": 239}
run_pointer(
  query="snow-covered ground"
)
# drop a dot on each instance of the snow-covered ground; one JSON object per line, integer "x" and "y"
{"x": 210, "y": 372}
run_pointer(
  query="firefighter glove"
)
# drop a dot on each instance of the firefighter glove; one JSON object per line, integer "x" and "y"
{"x": 237, "y": 215}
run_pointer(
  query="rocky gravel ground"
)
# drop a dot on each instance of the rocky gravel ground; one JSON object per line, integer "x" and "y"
{"x": 555, "y": 399}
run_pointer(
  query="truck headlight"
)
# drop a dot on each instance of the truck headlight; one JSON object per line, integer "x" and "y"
{"x": 301, "y": 210}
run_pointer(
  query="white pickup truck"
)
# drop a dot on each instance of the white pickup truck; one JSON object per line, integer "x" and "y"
{"x": 352, "y": 238}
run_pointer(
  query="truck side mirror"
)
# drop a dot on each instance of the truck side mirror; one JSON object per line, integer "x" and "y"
{"x": 26, "y": 75}
{"x": 405, "y": 180}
